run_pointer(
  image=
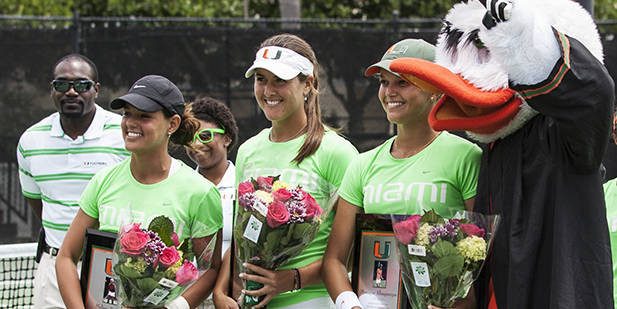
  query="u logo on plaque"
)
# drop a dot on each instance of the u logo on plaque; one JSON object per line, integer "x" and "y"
{"x": 108, "y": 267}
{"x": 376, "y": 276}
{"x": 386, "y": 250}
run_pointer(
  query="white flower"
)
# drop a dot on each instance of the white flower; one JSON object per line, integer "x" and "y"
{"x": 472, "y": 248}
{"x": 422, "y": 238}
{"x": 280, "y": 185}
{"x": 266, "y": 197}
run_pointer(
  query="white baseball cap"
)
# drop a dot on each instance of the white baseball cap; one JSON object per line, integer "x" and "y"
{"x": 282, "y": 62}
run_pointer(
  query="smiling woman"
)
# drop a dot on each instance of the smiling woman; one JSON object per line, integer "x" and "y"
{"x": 280, "y": 99}
{"x": 148, "y": 184}
{"x": 303, "y": 151}
{"x": 419, "y": 167}
{"x": 217, "y": 134}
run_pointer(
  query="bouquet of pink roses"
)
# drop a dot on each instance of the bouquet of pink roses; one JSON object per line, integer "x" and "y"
{"x": 153, "y": 267}
{"x": 275, "y": 223}
{"x": 440, "y": 258}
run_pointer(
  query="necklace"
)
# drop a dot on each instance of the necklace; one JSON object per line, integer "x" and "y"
{"x": 294, "y": 136}
{"x": 399, "y": 154}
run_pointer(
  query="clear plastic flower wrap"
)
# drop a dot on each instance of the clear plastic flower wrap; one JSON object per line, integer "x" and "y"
{"x": 275, "y": 222}
{"x": 441, "y": 257}
{"x": 153, "y": 267}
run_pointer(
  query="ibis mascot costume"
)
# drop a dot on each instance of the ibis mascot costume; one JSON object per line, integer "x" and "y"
{"x": 526, "y": 77}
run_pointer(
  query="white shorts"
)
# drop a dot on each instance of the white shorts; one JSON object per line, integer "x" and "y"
{"x": 46, "y": 292}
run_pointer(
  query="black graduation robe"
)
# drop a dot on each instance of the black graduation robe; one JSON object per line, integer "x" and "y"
{"x": 552, "y": 247}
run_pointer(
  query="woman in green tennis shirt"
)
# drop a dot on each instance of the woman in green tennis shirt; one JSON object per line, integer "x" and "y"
{"x": 300, "y": 149}
{"x": 148, "y": 184}
{"x": 416, "y": 170}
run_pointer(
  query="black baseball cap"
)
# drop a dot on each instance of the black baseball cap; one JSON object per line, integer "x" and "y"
{"x": 152, "y": 93}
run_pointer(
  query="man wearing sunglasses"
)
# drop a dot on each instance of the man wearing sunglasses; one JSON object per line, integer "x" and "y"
{"x": 57, "y": 157}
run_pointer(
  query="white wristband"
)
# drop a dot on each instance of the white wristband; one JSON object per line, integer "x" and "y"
{"x": 178, "y": 303}
{"x": 347, "y": 300}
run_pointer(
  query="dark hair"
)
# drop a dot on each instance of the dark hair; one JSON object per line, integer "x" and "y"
{"x": 315, "y": 126}
{"x": 189, "y": 125}
{"x": 79, "y": 57}
{"x": 212, "y": 110}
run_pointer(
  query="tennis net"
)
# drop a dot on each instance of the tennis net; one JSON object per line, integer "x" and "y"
{"x": 17, "y": 267}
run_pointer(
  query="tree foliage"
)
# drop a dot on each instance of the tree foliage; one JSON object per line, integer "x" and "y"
{"x": 355, "y": 9}
{"x": 36, "y": 7}
{"x": 605, "y": 9}
{"x": 374, "y": 9}
{"x": 147, "y": 8}
{"x": 228, "y": 8}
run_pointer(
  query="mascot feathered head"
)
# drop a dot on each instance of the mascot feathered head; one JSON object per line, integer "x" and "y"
{"x": 485, "y": 49}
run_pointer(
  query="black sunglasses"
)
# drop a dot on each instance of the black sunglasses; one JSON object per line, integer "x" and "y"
{"x": 79, "y": 86}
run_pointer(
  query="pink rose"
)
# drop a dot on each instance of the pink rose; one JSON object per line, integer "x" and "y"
{"x": 169, "y": 256}
{"x": 281, "y": 195}
{"x": 186, "y": 273}
{"x": 265, "y": 183}
{"x": 277, "y": 214}
{"x": 405, "y": 231}
{"x": 174, "y": 238}
{"x": 245, "y": 187}
{"x": 414, "y": 218}
{"x": 472, "y": 230}
{"x": 312, "y": 208}
{"x": 134, "y": 241}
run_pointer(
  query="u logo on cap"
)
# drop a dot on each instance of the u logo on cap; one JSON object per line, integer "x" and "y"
{"x": 277, "y": 56}
{"x": 397, "y": 49}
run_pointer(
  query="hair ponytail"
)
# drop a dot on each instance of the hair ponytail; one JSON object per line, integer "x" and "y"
{"x": 189, "y": 125}
{"x": 315, "y": 127}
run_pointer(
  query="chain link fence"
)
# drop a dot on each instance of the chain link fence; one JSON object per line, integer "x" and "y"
{"x": 203, "y": 57}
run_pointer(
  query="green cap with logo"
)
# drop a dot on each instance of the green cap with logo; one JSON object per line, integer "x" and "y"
{"x": 407, "y": 48}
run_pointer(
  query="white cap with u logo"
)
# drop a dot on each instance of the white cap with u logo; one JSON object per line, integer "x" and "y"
{"x": 282, "y": 62}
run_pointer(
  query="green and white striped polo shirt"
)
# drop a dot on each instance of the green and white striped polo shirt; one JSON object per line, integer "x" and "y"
{"x": 56, "y": 169}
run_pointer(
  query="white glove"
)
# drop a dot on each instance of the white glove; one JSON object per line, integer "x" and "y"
{"x": 178, "y": 303}
{"x": 347, "y": 300}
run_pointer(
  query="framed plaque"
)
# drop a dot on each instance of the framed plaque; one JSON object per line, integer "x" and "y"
{"x": 98, "y": 285}
{"x": 376, "y": 276}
